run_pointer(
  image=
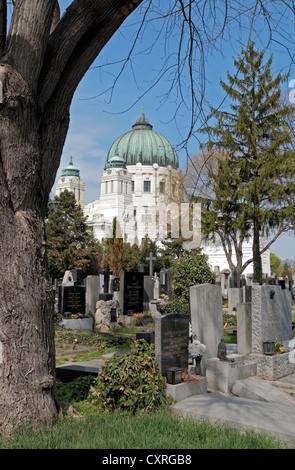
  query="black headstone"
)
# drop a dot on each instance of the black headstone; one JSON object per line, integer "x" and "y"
{"x": 106, "y": 273}
{"x": 234, "y": 278}
{"x": 171, "y": 341}
{"x": 73, "y": 299}
{"x": 131, "y": 292}
{"x": 113, "y": 315}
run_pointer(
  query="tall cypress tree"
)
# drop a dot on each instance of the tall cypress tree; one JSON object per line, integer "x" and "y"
{"x": 254, "y": 184}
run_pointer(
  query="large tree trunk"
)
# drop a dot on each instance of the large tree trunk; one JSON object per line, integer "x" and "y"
{"x": 27, "y": 385}
{"x": 41, "y": 64}
{"x": 257, "y": 261}
{"x": 27, "y": 360}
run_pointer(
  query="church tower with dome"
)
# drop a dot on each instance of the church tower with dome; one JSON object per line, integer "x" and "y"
{"x": 141, "y": 171}
{"x": 70, "y": 180}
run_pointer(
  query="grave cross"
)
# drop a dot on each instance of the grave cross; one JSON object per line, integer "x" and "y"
{"x": 151, "y": 258}
{"x": 106, "y": 279}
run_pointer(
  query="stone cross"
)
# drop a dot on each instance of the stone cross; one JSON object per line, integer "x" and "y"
{"x": 151, "y": 258}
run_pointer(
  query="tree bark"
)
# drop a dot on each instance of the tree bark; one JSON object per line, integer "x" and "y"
{"x": 41, "y": 64}
{"x": 257, "y": 262}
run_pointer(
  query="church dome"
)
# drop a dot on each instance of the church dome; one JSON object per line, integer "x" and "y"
{"x": 70, "y": 170}
{"x": 143, "y": 145}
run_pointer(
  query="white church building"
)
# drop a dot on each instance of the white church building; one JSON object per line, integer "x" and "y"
{"x": 141, "y": 189}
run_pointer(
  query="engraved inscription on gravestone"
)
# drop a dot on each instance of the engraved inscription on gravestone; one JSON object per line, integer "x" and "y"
{"x": 171, "y": 341}
{"x": 271, "y": 315}
{"x": 132, "y": 292}
{"x": 74, "y": 299}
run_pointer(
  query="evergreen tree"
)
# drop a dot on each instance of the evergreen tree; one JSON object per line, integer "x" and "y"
{"x": 254, "y": 184}
{"x": 131, "y": 257}
{"x": 70, "y": 241}
{"x": 116, "y": 255}
{"x": 275, "y": 263}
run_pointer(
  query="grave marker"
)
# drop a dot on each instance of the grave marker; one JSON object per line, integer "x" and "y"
{"x": 73, "y": 300}
{"x": 92, "y": 293}
{"x": 131, "y": 292}
{"x": 206, "y": 317}
{"x": 151, "y": 258}
{"x": 171, "y": 341}
{"x": 271, "y": 315}
{"x": 106, "y": 295}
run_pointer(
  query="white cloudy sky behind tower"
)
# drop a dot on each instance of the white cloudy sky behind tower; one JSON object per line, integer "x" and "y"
{"x": 98, "y": 118}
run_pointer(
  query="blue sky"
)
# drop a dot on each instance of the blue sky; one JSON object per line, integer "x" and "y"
{"x": 97, "y": 120}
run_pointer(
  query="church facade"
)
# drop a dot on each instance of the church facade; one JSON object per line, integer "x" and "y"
{"x": 141, "y": 189}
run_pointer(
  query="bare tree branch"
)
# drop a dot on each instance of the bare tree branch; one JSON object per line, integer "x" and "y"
{"x": 77, "y": 40}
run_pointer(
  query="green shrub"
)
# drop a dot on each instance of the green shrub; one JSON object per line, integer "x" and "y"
{"x": 176, "y": 306}
{"x": 76, "y": 390}
{"x": 187, "y": 271}
{"x": 131, "y": 382}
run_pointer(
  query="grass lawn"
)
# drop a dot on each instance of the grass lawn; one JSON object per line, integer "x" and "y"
{"x": 90, "y": 429}
{"x": 90, "y": 345}
{"x": 83, "y": 426}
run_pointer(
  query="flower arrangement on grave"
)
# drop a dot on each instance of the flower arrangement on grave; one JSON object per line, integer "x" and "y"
{"x": 78, "y": 315}
{"x": 278, "y": 346}
{"x": 164, "y": 296}
{"x": 196, "y": 349}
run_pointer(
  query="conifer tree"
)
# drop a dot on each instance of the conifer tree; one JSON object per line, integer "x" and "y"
{"x": 254, "y": 184}
{"x": 70, "y": 241}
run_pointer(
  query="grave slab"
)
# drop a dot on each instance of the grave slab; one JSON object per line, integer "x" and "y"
{"x": 221, "y": 375}
{"x": 77, "y": 323}
{"x": 256, "y": 388}
{"x": 184, "y": 390}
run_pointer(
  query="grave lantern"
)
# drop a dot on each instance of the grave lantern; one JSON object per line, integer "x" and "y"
{"x": 174, "y": 375}
{"x": 146, "y": 335}
{"x": 269, "y": 348}
{"x": 221, "y": 351}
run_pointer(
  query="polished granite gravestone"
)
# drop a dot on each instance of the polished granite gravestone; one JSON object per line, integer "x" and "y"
{"x": 73, "y": 300}
{"x": 131, "y": 292}
{"x": 171, "y": 341}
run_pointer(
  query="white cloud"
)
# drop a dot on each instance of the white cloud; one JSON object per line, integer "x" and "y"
{"x": 87, "y": 143}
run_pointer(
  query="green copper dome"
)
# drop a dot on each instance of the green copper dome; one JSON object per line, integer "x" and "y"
{"x": 143, "y": 145}
{"x": 70, "y": 170}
